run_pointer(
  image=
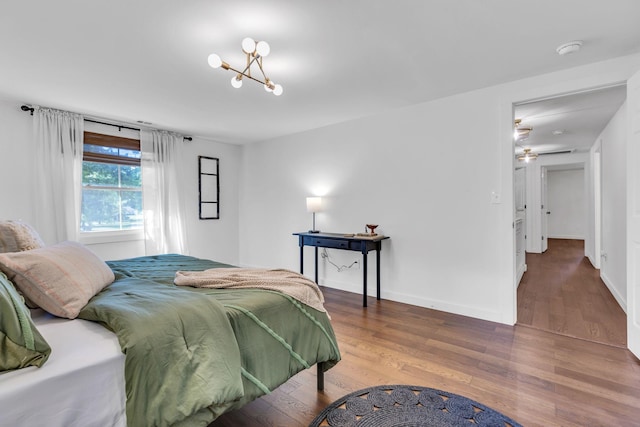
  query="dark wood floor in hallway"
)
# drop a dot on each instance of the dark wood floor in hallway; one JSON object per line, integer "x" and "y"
{"x": 562, "y": 292}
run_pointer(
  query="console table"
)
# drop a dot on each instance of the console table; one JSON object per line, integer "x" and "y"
{"x": 349, "y": 242}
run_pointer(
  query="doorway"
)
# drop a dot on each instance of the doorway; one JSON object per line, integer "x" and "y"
{"x": 562, "y": 291}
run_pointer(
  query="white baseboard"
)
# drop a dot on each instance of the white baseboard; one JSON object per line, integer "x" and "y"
{"x": 566, "y": 236}
{"x": 346, "y": 286}
{"x": 467, "y": 311}
{"x": 521, "y": 270}
{"x": 616, "y": 295}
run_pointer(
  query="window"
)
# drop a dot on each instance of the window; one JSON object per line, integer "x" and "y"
{"x": 111, "y": 184}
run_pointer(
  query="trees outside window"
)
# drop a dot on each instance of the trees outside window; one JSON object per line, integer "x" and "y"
{"x": 111, "y": 184}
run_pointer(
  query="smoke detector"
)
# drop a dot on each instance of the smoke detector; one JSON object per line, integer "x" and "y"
{"x": 570, "y": 47}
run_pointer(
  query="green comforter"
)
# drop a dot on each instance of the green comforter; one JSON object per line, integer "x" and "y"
{"x": 193, "y": 354}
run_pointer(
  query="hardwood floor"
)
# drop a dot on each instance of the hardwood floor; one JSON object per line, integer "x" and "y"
{"x": 562, "y": 292}
{"x": 536, "y": 377}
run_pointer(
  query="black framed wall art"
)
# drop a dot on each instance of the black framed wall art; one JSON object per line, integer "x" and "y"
{"x": 209, "y": 187}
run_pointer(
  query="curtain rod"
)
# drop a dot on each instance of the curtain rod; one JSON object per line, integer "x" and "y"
{"x": 120, "y": 127}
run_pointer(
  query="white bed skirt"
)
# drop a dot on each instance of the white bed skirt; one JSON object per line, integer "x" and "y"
{"x": 81, "y": 385}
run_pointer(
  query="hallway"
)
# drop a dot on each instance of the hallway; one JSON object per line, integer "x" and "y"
{"x": 561, "y": 292}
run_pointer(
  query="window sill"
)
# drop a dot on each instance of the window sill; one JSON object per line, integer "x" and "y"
{"x": 98, "y": 237}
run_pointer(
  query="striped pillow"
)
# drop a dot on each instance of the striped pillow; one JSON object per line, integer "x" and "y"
{"x": 60, "y": 279}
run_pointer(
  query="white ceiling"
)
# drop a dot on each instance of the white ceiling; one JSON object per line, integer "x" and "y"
{"x": 337, "y": 60}
{"x": 579, "y": 117}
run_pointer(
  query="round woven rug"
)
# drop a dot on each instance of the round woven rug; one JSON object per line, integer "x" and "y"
{"x": 404, "y": 406}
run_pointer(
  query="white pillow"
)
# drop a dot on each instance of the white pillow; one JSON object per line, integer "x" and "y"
{"x": 60, "y": 278}
{"x": 18, "y": 236}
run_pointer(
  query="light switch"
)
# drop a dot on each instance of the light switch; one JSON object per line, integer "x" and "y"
{"x": 495, "y": 198}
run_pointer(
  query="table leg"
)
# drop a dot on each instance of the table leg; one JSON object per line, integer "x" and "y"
{"x": 364, "y": 279}
{"x": 378, "y": 271}
{"x": 301, "y": 259}
{"x": 316, "y": 248}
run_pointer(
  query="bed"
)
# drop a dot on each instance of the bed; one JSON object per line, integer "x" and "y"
{"x": 144, "y": 352}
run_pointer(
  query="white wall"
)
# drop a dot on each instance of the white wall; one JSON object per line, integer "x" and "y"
{"x": 16, "y": 169}
{"x": 425, "y": 174}
{"x": 17, "y": 165}
{"x": 214, "y": 239}
{"x": 613, "y": 264}
{"x": 567, "y": 204}
{"x": 396, "y": 171}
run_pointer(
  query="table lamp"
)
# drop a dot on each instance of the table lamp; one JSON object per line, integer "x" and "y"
{"x": 314, "y": 204}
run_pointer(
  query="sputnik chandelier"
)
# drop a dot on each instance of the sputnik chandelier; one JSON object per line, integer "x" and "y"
{"x": 255, "y": 52}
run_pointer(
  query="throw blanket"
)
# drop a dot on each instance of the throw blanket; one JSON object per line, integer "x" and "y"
{"x": 286, "y": 281}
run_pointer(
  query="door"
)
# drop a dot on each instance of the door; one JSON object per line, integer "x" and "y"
{"x": 633, "y": 214}
{"x": 544, "y": 219}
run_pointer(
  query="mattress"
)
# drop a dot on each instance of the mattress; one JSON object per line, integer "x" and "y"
{"x": 79, "y": 386}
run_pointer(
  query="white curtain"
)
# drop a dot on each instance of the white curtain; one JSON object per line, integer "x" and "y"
{"x": 163, "y": 206}
{"x": 58, "y": 136}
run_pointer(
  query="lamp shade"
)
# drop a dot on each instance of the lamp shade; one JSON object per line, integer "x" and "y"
{"x": 314, "y": 204}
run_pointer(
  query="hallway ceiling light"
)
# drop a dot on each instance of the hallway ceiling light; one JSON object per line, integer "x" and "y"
{"x": 521, "y": 132}
{"x": 527, "y": 156}
{"x": 254, "y": 52}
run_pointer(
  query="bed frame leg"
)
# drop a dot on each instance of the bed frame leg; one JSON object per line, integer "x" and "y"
{"x": 320, "y": 367}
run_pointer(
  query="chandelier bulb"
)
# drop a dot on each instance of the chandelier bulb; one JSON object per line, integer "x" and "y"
{"x": 236, "y": 81}
{"x": 214, "y": 61}
{"x": 268, "y": 85}
{"x": 277, "y": 90}
{"x": 248, "y": 45}
{"x": 263, "y": 48}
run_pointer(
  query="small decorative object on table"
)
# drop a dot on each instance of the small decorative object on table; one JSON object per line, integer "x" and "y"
{"x": 372, "y": 227}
